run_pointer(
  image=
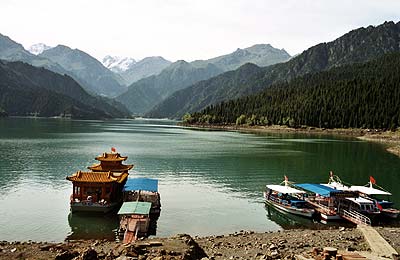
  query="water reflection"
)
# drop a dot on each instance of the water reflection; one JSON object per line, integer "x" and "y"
{"x": 290, "y": 221}
{"x": 89, "y": 226}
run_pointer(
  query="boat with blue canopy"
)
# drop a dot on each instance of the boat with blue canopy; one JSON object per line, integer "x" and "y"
{"x": 287, "y": 199}
{"x": 324, "y": 199}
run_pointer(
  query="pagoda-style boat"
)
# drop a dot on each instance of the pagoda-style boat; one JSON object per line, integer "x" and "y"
{"x": 287, "y": 199}
{"x": 100, "y": 190}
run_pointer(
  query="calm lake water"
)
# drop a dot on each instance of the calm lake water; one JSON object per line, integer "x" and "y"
{"x": 211, "y": 182}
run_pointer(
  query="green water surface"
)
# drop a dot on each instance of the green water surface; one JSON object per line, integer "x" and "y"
{"x": 211, "y": 182}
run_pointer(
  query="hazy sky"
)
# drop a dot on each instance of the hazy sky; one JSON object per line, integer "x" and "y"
{"x": 183, "y": 29}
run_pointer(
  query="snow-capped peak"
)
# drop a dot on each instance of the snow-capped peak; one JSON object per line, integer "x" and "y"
{"x": 38, "y": 48}
{"x": 117, "y": 63}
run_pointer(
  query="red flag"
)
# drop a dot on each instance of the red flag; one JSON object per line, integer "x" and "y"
{"x": 286, "y": 178}
{"x": 113, "y": 149}
{"x": 372, "y": 180}
{"x": 379, "y": 206}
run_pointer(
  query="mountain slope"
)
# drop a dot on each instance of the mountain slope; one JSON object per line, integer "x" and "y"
{"x": 359, "y": 95}
{"x": 356, "y": 46}
{"x": 90, "y": 72}
{"x": 26, "y": 89}
{"x": 144, "y": 68}
{"x": 145, "y": 93}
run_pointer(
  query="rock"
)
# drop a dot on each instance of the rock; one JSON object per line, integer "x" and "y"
{"x": 264, "y": 246}
{"x": 341, "y": 229}
{"x": 45, "y": 247}
{"x": 13, "y": 250}
{"x": 273, "y": 247}
{"x": 66, "y": 255}
{"x": 89, "y": 254}
{"x": 275, "y": 254}
{"x": 155, "y": 243}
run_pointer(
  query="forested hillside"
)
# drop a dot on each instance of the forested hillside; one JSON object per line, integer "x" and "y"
{"x": 362, "y": 95}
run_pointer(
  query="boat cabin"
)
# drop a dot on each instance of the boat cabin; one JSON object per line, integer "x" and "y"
{"x": 96, "y": 191}
{"x": 362, "y": 205}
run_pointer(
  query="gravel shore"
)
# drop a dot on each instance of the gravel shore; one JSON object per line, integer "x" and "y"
{"x": 240, "y": 245}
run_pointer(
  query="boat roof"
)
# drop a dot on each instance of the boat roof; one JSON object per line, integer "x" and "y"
{"x": 135, "y": 207}
{"x": 98, "y": 177}
{"x": 284, "y": 189}
{"x": 318, "y": 189}
{"x": 361, "y": 200}
{"x": 145, "y": 184}
{"x": 369, "y": 190}
{"x": 336, "y": 185}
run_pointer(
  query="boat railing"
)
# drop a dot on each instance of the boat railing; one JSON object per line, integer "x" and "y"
{"x": 355, "y": 217}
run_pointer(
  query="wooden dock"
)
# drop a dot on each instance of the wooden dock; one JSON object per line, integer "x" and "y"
{"x": 379, "y": 246}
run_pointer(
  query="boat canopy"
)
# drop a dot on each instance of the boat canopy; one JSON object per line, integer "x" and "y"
{"x": 284, "y": 189}
{"x": 320, "y": 189}
{"x": 369, "y": 190}
{"x": 336, "y": 186}
{"x": 144, "y": 184}
{"x": 135, "y": 207}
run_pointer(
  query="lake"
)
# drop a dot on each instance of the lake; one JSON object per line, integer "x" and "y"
{"x": 211, "y": 182}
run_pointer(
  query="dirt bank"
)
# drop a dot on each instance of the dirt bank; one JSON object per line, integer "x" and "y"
{"x": 240, "y": 245}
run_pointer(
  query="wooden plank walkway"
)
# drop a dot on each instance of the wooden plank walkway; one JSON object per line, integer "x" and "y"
{"x": 379, "y": 246}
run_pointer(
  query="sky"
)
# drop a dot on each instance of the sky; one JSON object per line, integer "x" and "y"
{"x": 183, "y": 29}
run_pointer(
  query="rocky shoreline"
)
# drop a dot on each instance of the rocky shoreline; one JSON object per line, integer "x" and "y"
{"x": 240, "y": 245}
{"x": 390, "y": 138}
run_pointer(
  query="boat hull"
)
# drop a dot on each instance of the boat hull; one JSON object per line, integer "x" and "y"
{"x": 93, "y": 208}
{"x": 308, "y": 213}
{"x": 390, "y": 213}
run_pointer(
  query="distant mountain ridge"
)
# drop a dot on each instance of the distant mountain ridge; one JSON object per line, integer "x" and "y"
{"x": 260, "y": 54}
{"x": 27, "y": 90}
{"x": 146, "y": 93}
{"x": 359, "y": 45}
{"x": 92, "y": 74}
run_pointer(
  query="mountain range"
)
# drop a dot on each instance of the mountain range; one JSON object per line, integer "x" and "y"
{"x": 359, "y": 45}
{"x": 146, "y": 93}
{"x": 28, "y": 90}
